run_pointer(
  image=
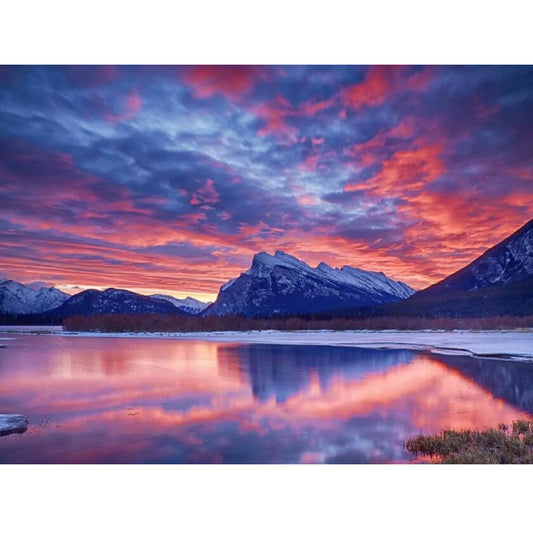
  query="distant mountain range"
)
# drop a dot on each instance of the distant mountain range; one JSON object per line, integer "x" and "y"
{"x": 281, "y": 284}
{"x": 274, "y": 285}
{"x": 94, "y": 302}
{"x": 189, "y": 305}
{"x": 499, "y": 282}
{"x": 19, "y": 299}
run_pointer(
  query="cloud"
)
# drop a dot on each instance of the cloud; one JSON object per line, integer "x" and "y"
{"x": 405, "y": 173}
{"x": 408, "y": 170}
{"x": 206, "y": 194}
{"x": 230, "y": 81}
{"x": 381, "y": 82}
{"x": 132, "y": 107}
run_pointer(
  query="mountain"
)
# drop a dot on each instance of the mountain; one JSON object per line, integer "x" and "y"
{"x": 499, "y": 282}
{"x": 19, "y": 299}
{"x": 189, "y": 305}
{"x": 509, "y": 261}
{"x": 282, "y": 284}
{"x": 94, "y": 302}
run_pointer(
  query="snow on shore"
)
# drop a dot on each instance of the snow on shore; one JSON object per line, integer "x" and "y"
{"x": 514, "y": 343}
{"x": 30, "y": 329}
{"x": 12, "y": 424}
{"x": 511, "y": 343}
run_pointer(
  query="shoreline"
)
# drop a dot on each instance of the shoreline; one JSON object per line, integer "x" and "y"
{"x": 508, "y": 344}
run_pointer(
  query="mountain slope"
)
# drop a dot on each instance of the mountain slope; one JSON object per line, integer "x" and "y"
{"x": 19, "y": 299}
{"x": 499, "y": 282}
{"x": 509, "y": 261}
{"x": 94, "y": 302}
{"x": 189, "y": 305}
{"x": 282, "y": 284}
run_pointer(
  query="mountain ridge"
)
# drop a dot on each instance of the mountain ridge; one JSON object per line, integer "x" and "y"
{"x": 508, "y": 261}
{"x": 117, "y": 301}
{"x": 498, "y": 282}
{"x": 188, "y": 304}
{"x": 17, "y": 298}
{"x": 283, "y": 284}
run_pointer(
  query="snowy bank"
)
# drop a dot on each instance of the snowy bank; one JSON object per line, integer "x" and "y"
{"x": 13, "y": 424}
{"x": 30, "y": 329}
{"x": 482, "y": 343}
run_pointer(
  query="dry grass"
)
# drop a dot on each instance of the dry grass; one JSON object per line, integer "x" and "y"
{"x": 503, "y": 445}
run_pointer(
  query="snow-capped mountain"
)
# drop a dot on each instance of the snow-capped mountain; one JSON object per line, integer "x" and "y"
{"x": 19, "y": 299}
{"x": 94, "y": 302}
{"x": 189, "y": 305}
{"x": 499, "y": 282}
{"x": 283, "y": 284}
{"x": 509, "y": 261}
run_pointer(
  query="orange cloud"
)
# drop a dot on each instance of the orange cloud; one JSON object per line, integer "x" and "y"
{"x": 404, "y": 173}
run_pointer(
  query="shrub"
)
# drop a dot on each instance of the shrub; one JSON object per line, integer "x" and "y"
{"x": 491, "y": 446}
{"x": 162, "y": 322}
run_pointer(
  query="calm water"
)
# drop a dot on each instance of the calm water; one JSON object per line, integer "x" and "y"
{"x": 119, "y": 400}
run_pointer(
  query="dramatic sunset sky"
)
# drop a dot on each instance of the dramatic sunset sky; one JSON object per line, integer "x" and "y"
{"x": 169, "y": 179}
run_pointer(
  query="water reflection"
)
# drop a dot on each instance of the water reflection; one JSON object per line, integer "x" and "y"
{"x": 279, "y": 372}
{"x": 160, "y": 400}
{"x": 512, "y": 382}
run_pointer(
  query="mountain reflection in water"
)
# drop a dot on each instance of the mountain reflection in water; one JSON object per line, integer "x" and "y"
{"x": 130, "y": 400}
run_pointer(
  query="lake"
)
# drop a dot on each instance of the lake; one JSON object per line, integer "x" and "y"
{"x": 157, "y": 400}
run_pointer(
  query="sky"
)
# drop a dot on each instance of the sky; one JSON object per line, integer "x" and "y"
{"x": 170, "y": 178}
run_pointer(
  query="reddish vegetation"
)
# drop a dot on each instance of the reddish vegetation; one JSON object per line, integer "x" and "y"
{"x": 153, "y": 323}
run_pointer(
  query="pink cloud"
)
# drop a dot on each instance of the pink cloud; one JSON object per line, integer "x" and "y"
{"x": 307, "y": 199}
{"x": 372, "y": 151}
{"x": 276, "y": 111}
{"x": 404, "y": 172}
{"x": 382, "y": 81}
{"x": 132, "y": 106}
{"x": 206, "y": 194}
{"x": 231, "y": 81}
{"x": 309, "y": 108}
{"x": 310, "y": 163}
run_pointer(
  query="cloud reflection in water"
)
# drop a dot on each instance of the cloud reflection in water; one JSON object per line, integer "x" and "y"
{"x": 109, "y": 400}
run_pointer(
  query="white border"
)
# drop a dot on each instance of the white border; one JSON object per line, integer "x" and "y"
{"x": 273, "y": 32}
{"x": 273, "y": 498}
{"x": 196, "y": 498}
